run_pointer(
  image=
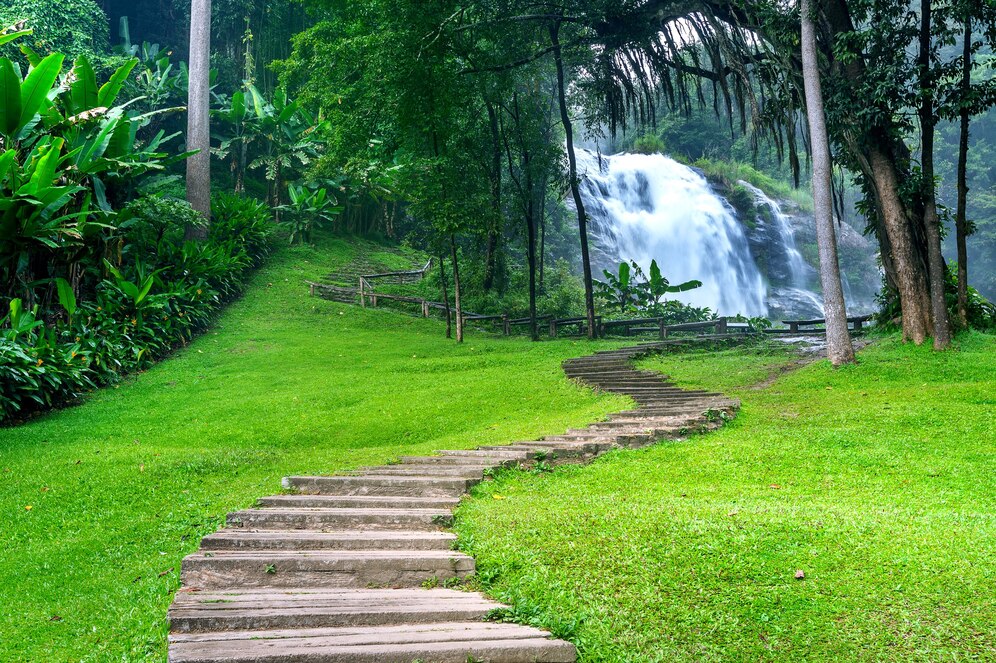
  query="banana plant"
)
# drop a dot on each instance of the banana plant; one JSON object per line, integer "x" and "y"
{"x": 136, "y": 291}
{"x": 289, "y": 135}
{"x": 620, "y": 289}
{"x": 655, "y": 288}
{"x": 307, "y": 207}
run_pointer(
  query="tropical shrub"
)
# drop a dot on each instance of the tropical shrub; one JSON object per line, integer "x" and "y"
{"x": 145, "y": 305}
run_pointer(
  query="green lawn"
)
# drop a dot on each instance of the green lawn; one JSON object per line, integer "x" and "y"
{"x": 878, "y": 481}
{"x": 100, "y": 502}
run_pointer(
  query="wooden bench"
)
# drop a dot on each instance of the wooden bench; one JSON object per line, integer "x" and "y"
{"x": 857, "y": 322}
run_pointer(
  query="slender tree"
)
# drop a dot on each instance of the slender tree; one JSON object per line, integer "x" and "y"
{"x": 961, "y": 217}
{"x": 572, "y": 172}
{"x": 839, "y": 347}
{"x": 199, "y": 114}
{"x": 932, "y": 224}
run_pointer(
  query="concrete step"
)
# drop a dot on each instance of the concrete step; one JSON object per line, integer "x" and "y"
{"x": 454, "y": 642}
{"x": 461, "y": 471}
{"x": 358, "y": 501}
{"x": 498, "y": 452}
{"x": 381, "y": 485}
{"x": 299, "y": 608}
{"x": 344, "y": 518}
{"x": 460, "y": 461}
{"x": 247, "y": 539}
{"x": 322, "y": 568}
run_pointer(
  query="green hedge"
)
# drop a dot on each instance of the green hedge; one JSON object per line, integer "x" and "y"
{"x": 119, "y": 329}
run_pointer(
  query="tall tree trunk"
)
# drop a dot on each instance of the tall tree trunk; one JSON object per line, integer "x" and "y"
{"x": 456, "y": 289}
{"x": 572, "y": 163}
{"x": 542, "y": 234}
{"x": 961, "y": 223}
{"x": 874, "y": 149}
{"x": 493, "y": 230}
{"x": 199, "y": 115}
{"x": 446, "y": 298}
{"x": 839, "y": 347}
{"x": 932, "y": 224}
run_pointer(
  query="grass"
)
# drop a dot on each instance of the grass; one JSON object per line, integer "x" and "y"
{"x": 102, "y": 501}
{"x": 876, "y": 481}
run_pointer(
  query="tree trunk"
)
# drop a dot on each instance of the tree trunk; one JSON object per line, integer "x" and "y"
{"x": 199, "y": 115}
{"x": 874, "y": 149}
{"x": 961, "y": 223}
{"x": 446, "y": 298}
{"x": 493, "y": 234}
{"x": 932, "y": 224}
{"x": 589, "y": 297}
{"x": 911, "y": 279}
{"x": 839, "y": 347}
{"x": 456, "y": 289}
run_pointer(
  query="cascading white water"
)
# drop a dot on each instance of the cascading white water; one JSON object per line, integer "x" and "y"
{"x": 791, "y": 280}
{"x": 646, "y": 207}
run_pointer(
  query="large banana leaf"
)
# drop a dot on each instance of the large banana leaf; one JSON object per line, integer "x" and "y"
{"x": 37, "y": 85}
{"x": 11, "y": 36}
{"x": 84, "y": 89}
{"x": 10, "y": 98}
{"x": 109, "y": 91}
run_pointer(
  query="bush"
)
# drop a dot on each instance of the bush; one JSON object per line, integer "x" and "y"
{"x": 158, "y": 295}
{"x": 73, "y": 27}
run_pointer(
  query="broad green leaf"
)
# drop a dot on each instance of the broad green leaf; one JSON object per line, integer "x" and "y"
{"x": 67, "y": 298}
{"x": 10, "y": 98}
{"x": 6, "y": 161}
{"x": 287, "y": 112}
{"x": 130, "y": 289}
{"x": 30, "y": 55}
{"x": 687, "y": 285}
{"x": 122, "y": 138}
{"x": 623, "y": 275}
{"x": 109, "y": 91}
{"x": 36, "y": 86}
{"x": 145, "y": 289}
{"x": 46, "y": 165}
{"x": 257, "y": 101}
{"x": 84, "y": 89}
{"x": 11, "y": 36}
{"x": 238, "y": 107}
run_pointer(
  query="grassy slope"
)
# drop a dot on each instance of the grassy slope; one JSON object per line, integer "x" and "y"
{"x": 122, "y": 487}
{"x": 875, "y": 480}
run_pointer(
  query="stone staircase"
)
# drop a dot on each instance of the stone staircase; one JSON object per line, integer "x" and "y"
{"x": 355, "y": 567}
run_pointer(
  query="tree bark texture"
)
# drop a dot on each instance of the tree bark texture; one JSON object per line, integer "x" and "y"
{"x": 961, "y": 219}
{"x": 839, "y": 347}
{"x": 446, "y": 298}
{"x": 456, "y": 289}
{"x": 931, "y": 222}
{"x": 199, "y": 114}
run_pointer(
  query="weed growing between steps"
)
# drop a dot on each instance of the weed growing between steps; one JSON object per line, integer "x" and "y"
{"x": 103, "y": 500}
{"x": 874, "y": 480}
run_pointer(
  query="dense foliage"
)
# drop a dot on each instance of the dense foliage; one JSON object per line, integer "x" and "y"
{"x": 96, "y": 279}
{"x": 167, "y": 292}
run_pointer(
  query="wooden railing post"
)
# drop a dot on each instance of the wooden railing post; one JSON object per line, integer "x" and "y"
{"x": 363, "y": 299}
{"x": 425, "y": 309}
{"x": 507, "y": 328}
{"x": 662, "y": 328}
{"x": 721, "y": 326}
{"x": 553, "y": 328}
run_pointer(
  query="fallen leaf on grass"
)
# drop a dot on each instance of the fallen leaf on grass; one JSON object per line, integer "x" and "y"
{"x": 55, "y": 618}
{"x": 774, "y": 486}
{"x": 170, "y": 570}
{"x": 28, "y": 508}
{"x": 800, "y": 575}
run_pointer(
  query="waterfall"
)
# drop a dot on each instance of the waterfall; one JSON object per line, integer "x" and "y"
{"x": 646, "y": 207}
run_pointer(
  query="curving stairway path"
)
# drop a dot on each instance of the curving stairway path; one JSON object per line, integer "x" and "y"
{"x": 349, "y": 567}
